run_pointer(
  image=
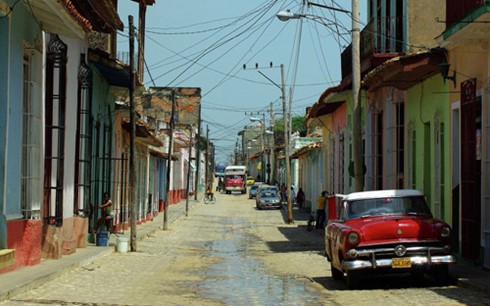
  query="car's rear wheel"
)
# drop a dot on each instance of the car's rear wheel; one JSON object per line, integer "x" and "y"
{"x": 336, "y": 274}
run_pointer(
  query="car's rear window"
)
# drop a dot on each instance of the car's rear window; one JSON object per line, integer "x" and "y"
{"x": 387, "y": 206}
{"x": 268, "y": 194}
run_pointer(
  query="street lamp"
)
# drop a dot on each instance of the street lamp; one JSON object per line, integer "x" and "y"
{"x": 356, "y": 81}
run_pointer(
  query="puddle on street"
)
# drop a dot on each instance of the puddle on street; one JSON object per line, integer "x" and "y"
{"x": 239, "y": 279}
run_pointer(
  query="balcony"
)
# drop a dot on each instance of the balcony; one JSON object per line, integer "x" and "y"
{"x": 372, "y": 43}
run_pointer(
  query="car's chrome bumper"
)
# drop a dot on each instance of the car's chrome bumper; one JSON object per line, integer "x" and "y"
{"x": 269, "y": 205}
{"x": 234, "y": 188}
{"x": 417, "y": 261}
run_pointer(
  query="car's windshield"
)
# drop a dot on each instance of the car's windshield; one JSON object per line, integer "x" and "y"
{"x": 254, "y": 187}
{"x": 387, "y": 206}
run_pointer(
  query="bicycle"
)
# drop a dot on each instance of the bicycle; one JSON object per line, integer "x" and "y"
{"x": 209, "y": 198}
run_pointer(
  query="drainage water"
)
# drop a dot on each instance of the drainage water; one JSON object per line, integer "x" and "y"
{"x": 239, "y": 279}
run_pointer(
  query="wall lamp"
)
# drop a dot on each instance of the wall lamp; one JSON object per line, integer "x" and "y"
{"x": 444, "y": 69}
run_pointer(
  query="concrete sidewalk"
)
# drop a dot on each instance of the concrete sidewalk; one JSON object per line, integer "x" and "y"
{"x": 23, "y": 279}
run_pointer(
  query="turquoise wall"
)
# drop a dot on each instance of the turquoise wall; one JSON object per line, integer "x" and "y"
{"x": 16, "y": 29}
{"x": 103, "y": 109}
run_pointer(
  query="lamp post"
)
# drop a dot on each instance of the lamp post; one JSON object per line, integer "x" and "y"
{"x": 356, "y": 80}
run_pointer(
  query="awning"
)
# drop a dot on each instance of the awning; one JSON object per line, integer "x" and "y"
{"x": 114, "y": 76}
{"x": 319, "y": 108}
{"x": 162, "y": 155}
{"x": 406, "y": 71}
{"x": 143, "y": 132}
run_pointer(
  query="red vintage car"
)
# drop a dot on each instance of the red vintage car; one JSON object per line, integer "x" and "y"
{"x": 235, "y": 183}
{"x": 387, "y": 231}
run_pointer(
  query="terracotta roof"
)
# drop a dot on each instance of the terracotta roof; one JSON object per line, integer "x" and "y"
{"x": 320, "y": 107}
{"x": 306, "y": 149}
{"x": 72, "y": 10}
{"x": 101, "y": 13}
{"x": 258, "y": 154}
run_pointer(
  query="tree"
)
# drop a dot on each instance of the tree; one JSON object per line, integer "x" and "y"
{"x": 298, "y": 125}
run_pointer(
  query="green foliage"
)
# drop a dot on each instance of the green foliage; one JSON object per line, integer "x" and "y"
{"x": 298, "y": 125}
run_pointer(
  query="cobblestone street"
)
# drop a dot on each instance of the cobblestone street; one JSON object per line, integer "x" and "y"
{"x": 229, "y": 253}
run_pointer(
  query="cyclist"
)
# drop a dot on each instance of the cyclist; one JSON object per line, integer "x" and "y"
{"x": 209, "y": 192}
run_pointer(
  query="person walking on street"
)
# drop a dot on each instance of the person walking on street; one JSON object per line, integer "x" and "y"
{"x": 283, "y": 193}
{"x": 300, "y": 198}
{"x": 321, "y": 202}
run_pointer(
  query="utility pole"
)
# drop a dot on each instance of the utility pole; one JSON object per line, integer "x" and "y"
{"x": 206, "y": 179}
{"x": 357, "y": 116}
{"x": 286, "y": 148}
{"x": 272, "y": 159}
{"x": 188, "y": 173}
{"x": 236, "y": 152}
{"x": 141, "y": 39}
{"x": 198, "y": 152}
{"x": 264, "y": 149}
{"x": 132, "y": 136}
{"x": 169, "y": 161}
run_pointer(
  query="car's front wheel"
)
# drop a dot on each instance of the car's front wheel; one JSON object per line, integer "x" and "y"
{"x": 440, "y": 274}
{"x": 336, "y": 274}
{"x": 352, "y": 279}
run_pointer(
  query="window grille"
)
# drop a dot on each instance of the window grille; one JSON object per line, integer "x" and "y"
{"x": 55, "y": 108}
{"x": 378, "y": 156}
{"x": 84, "y": 139}
{"x": 400, "y": 143}
{"x": 31, "y": 190}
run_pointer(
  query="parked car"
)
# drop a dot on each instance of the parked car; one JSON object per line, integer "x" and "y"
{"x": 387, "y": 231}
{"x": 263, "y": 188}
{"x": 269, "y": 199}
{"x": 252, "y": 191}
{"x": 250, "y": 180}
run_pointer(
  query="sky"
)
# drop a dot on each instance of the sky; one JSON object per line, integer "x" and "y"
{"x": 205, "y": 43}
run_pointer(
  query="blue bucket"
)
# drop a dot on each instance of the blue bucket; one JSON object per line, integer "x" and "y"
{"x": 102, "y": 238}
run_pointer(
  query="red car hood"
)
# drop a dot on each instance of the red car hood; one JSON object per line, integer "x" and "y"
{"x": 385, "y": 228}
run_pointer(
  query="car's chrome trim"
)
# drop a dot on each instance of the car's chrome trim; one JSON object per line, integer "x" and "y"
{"x": 372, "y": 252}
{"x": 348, "y": 265}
